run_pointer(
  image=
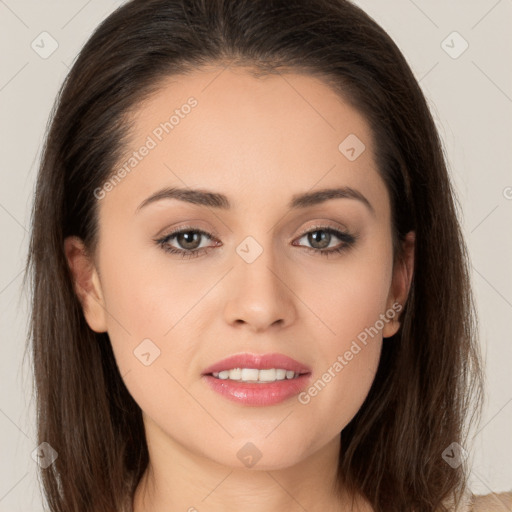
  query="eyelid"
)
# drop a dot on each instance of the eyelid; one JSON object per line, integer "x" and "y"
{"x": 326, "y": 225}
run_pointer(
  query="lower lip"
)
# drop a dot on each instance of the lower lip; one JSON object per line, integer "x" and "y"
{"x": 254, "y": 394}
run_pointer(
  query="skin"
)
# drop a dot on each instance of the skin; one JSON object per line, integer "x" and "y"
{"x": 258, "y": 141}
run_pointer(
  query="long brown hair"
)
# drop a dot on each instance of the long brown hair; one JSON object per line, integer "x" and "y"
{"x": 429, "y": 382}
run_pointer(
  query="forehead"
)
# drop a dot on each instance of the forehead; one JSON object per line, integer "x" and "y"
{"x": 225, "y": 128}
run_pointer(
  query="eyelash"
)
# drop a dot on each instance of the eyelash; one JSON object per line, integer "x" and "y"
{"x": 347, "y": 239}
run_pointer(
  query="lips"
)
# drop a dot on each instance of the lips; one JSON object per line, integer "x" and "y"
{"x": 258, "y": 361}
{"x": 249, "y": 393}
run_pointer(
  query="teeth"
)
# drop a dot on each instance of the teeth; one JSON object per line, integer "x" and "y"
{"x": 255, "y": 375}
{"x": 281, "y": 374}
{"x": 235, "y": 374}
{"x": 248, "y": 374}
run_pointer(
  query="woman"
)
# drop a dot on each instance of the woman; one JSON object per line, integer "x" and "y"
{"x": 250, "y": 286}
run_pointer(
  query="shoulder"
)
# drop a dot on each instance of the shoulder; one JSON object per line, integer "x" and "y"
{"x": 495, "y": 502}
{"x": 469, "y": 502}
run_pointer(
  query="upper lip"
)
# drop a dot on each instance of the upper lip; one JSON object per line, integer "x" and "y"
{"x": 258, "y": 361}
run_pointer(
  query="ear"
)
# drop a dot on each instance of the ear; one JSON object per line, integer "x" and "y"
{"x": 401, "y": 283}
{"x": 86, "y": 283}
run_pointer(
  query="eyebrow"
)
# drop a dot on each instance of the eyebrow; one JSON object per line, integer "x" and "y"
{"x": 220, "y": 201}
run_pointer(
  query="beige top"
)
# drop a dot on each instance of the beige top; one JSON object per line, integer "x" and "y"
{"x": 494, "y": 502}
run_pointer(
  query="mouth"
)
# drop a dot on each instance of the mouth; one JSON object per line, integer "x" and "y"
{"x": 257, "y": 379}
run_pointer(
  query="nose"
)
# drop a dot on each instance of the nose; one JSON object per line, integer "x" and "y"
{"x": 260, "y": 294}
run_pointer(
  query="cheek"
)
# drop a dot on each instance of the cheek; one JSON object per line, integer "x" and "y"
{"x": 151, "y": 318}
{"x": 351, "y": 302}
{"x": 153, "y": 306}
{"x": 349, "y": 296}
{"x": 347, "y": 358}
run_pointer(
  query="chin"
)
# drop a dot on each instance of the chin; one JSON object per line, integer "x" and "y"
{"x": 255, "y": 453}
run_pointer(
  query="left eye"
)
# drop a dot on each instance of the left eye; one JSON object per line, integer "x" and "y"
{"x": 189, "y": 241}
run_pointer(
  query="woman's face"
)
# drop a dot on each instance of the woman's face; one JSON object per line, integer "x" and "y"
{"x": 263, "y": 280}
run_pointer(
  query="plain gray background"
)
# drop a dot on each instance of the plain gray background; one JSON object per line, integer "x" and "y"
{"x": 470, "y": 94}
